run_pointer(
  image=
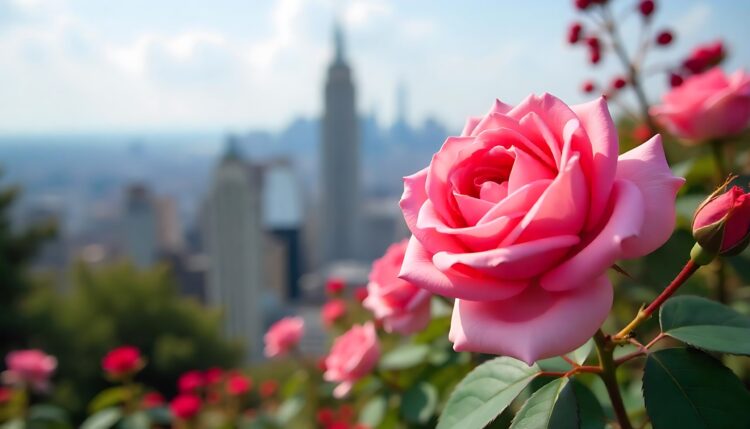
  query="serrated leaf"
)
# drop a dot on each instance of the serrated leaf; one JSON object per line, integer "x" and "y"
{"x": 706, "y": 324}
{"x": 104, "y": 419}
{"x": 486, "y": 392}
{"x": 419, "y": 402}
{"x": 547, "y": 408}
{"x": 405, "y": 356}
{"x": 373, "y": 412}
{"x": 694, "y": 389}
{"x": 590, "y": 412}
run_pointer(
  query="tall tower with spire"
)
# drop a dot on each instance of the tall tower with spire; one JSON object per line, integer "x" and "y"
{"x": 339, "y": 159}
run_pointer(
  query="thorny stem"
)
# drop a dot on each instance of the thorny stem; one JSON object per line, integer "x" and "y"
{"x": 632, "y": 68}
{"x": 643, "y": 314}
{"x": 605, "y": 349}
{"x": 641, "y": 351}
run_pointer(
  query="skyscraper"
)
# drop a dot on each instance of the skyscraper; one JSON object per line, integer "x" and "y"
{"x": 340, "y": 160}
{"x": 139, "y": 226}
{"x": 234, "y": 241}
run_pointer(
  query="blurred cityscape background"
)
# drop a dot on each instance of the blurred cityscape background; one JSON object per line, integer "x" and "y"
{"x": 250, "y": 151}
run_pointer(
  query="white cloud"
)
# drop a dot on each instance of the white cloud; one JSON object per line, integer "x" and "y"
{"x": 359, "y": 13}
{"x": 284, "y": 18}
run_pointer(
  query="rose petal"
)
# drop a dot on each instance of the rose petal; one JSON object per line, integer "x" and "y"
{"x": 419, "y": 269}
{"x": 527, "y": 169}
{"x": 499, "y": 109}
{"x": 519, "y": 201}
{"x": 646, "y": 167}
{"x": 605, "y": 247}
{"x": 533, "y": 325}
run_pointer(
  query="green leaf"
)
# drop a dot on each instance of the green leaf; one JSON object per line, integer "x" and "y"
{"x": 159, "y": 415}
{"x": 108, "y": 398}
{"x": 486, "y": 392}
{"x": 373, "y": 412}
{"x": 590, "y": 411}
{"x": 694, "y": 389}
{"x": 543, "y": 410}
{"x": 419, "y": 402}
{"x": 405, "y": 356}
{"x": 706, "y": 324}
{"x": 104, "y": 419}
{"x": 137, "y": 420}
{"x": 289, "y": 409}
{"x": 14, "y": 424}
{"x": 48, "y": 413}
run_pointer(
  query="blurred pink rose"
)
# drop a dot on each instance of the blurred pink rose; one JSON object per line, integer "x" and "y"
{"x": 520, "y": 217}
{"x": 238, "y": 384}
{"x": 403, "y": 307}
{"x": 30, "y": 367}
{"x": 353, "y": 355}
{"x": 283, "y": 336}
{"x": 332, "y": 311}
{"x": 706, "y": 106}
{"x": 185, "y": 406}
{"x": 190, "y": 381}
{"x": 122, "y": 361}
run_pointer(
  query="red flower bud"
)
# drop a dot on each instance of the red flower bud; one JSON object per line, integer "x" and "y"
{"x": 619, "y": 83}
{"x": 335, "y": 286}
{"x": 185, "y": 406}
{"x": 593, "y": 42}
{"x": 664, "y": 38}
{"x": 582, "y": 4}
{"x": 675, "y": 80}
{"x": 595, "y": 56}
{"x": 574, "y": 32}
{"x": 704, "y": 57}
{"x": 588, "y": 87}
{"x": 238, "y": 384}
{"x": 122, "y": 361}
{"x": 213, "y": 375}
{"x": 190, "y": 381}
{"x": 646, "y": 7}
{"x": 722, "y": 222}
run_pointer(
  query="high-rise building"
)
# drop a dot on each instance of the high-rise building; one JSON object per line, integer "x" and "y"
{"x": 139, "y": 226}
{"x": 339, "y": 161}
{"x": 234, "y": 244}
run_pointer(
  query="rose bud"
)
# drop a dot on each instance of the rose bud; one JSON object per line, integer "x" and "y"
{"x": 283, "y": 336}
{"x": 582, "y": 4}
{"x": 595, "y": 56}
{"x": 646, "y": 7}
{"x": 722, "y": 222}
{"x": 675, "y": 80}
{"x": 353, "y": 355}
{"x": 705, "y": 56}
{"x": 664, "y": 38}
{"x": 401, "y": 306}
{"x": 711, "y": 105}
{"x": 190, "y": 381}
{"x": 574, "y": 33}
{"x": 588, "y": 87}
{"x": 122, "y": 362}
{"x": 238, "y": 384}
{"x": 619, "y": 83}
{"x": 185, "y": 406}
{"x": 335, "y": 286}
{"x": 332, "y": 311}
{"x": 29, "y": 367}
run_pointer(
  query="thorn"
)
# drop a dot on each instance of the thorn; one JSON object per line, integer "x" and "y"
{"x": 622, "y": 271}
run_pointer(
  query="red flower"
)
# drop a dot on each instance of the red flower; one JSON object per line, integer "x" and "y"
{"x": 124, "y": 360}
{"x": 335, "y": 286}
{"x": 574, "y": 32}
{"x": 213, "y": 375}
{"x": 190, "y": 381}
{"x": 185, "y": 406}
{"x": 152, "y": 400}
{"x": 646, "y": 7}
{"x": 675, "y": 80}
{"x": 619, "y": 83}
{"x": 664, "y": 38}
{"x": 332, "y": 311}
{"x": 582, "y": 4}
{"x": 268, "y": 388}
{"x": 588, "y": 87}
{"x": 704, "y": 57}
{"x": 238, "y": 384}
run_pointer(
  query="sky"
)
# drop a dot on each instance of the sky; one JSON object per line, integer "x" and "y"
{"x": 80, "y": 66}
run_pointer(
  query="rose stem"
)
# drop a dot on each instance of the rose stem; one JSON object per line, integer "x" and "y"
{"x": 604, "y": 350}
{"x": 633, "y": 75}
{"x": 643, "y": 314}
{"x": 717, "y": 149}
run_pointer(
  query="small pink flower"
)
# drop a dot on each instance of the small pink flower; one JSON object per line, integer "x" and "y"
{"x": 706, "y": 106}
{"x": 185, "y": 406}
{"x": 29, "y": 367}
{"x": 722, "y": 222}
{"x": 238, "y": 384}
{"x": 213, "y": 376}
{"x": 332, "y": 311}
{"x": 401, "y": 306}
{"x": 334, "y": 286}
{"x": 122, "y": 361}
{"x": 353, "y": 355}
{"x": 190, "y": 381}
{"x": 283, "y": 336}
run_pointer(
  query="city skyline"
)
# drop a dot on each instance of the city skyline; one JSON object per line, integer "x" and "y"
{"x": 79, "y": 67}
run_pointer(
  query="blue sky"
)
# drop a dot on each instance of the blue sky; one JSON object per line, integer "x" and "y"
{"x": 168, "y": 65}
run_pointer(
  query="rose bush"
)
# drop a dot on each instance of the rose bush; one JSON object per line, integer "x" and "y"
{"x": 706, "y": 106}
{"x": 403, "y": 307}
{"x": 520, "y": 217}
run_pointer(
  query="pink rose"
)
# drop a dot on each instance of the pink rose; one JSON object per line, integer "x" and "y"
{"x": 122, "y": 361}
{"x": 706, "y": 106}
{"x": 283, "y": 336}
{"x": 520, "y": 217}
{"x": 353, "y": 355}
{"x": 30, "y": 367}
{"x": 403, "y": 307}
{"x": 238, "y": 384}
{"x": 722, "y": 222}
{"x": 190, "y": 381}
{"x": 332, "y": 311}
{"x": 185, "y": 406}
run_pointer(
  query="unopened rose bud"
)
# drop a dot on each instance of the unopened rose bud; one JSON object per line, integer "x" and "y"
{"x": 664, "y": 38}
{"x": 646, "y": 7}
{"x": 595, "y": 56}
{"x": 588, "y": 87}
{"x": 675, "y": 80}
{"x": 619, "y": 83}
{"x": 722, "y": 222}
{"x": 574, "y": 32}
{"x": 582, "y": 4}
